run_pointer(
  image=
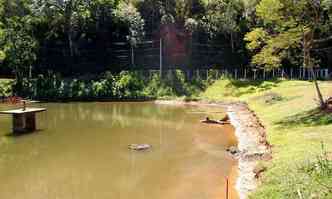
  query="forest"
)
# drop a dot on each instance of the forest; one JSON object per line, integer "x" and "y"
{"x": 88, "y": 38}
{"x": 81, "y": 36}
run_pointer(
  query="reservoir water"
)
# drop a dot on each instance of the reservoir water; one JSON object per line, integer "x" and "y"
{"x": 80, "y": 151}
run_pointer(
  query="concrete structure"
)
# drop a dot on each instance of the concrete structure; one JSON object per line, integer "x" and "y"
{"x": 24, "y": 120}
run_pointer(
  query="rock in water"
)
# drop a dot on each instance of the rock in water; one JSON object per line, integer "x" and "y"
{"x": 225, "y": 118}
{"x": 139, "y": 147}
{"x": 233, "y": 150}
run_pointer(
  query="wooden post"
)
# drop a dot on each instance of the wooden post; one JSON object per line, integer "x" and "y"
{"x": 245, "y": 73}
{"x": 235, "y": 74}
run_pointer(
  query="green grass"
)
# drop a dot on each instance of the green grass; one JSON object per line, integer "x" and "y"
{"x": 296, "y": 129}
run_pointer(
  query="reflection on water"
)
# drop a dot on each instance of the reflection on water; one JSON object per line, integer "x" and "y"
{"x": 81, "y": 152}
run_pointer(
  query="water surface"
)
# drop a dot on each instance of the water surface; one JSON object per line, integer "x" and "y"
{"x": 80, "y": 152}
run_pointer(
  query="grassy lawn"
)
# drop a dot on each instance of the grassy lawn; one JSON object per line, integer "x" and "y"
{"x": 295, "y": 129}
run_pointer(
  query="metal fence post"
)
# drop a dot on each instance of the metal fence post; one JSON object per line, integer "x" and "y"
{"x": 291, "y": 73}
{"x": 132, "y": 56}
{"x": 161, "y": 57}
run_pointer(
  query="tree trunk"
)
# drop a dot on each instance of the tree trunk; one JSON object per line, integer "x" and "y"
{"x": 232, "y": 42}
{"x": 70, "y": 42}
{"x": 308, "y": 38}
{"x": 322, "y": 103}
{"x": 68, "y": 14}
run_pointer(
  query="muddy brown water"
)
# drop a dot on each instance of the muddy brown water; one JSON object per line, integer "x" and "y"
{"x": 80, "y": 152}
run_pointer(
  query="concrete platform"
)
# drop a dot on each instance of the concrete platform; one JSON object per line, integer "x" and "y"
{"x": 24, "y": 120}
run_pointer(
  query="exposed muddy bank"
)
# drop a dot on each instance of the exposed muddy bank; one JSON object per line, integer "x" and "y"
{"x": 252, "y": 142}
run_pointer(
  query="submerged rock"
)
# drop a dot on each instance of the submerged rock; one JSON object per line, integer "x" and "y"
{"x": 139, "y": 147}
{"x": 221, "y": 122}
{"x": 225, "y": 118}
{"x": 233, "y": 150}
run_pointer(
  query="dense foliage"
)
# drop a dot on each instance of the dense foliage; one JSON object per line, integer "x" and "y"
{"x": 74, "y": 37}
{"x": 108, "y": 86}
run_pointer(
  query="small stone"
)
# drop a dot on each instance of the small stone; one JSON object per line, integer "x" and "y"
{"x": 233, "y": 150}
{"x": 139, "y": 147}
{"x": 259, "y": 169}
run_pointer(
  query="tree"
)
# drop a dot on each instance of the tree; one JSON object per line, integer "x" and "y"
{"x": 287, "y": 25}
{"x": 18, "y": 45}
{"x": 128, "y": 15}
{"x": 2, "y": 36}
{"x": 223, "y": 16}
{"x": 65, "y": 14}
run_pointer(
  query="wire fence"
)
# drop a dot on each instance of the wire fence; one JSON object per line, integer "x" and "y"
{"x": 242, "y": 74}
{"x": 195, "y": 60}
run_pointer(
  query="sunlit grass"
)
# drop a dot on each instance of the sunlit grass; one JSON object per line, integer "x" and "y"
{"x": 295, "y": 128}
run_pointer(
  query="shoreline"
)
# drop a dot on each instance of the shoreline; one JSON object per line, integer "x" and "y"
{"x": 252, "y": 142}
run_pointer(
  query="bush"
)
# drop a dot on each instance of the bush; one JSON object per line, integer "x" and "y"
{"x": 125, "y": 85}
{"x": 129, "y": 85}
{"x": 6, "y": 87}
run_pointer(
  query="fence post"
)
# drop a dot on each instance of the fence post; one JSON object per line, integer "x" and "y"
{"x": 132, "y": 55}
{"x": 161, "y": 57}
{"x": 291, "y": 73}
{"x": 235, "y": 74}
{"x": 245, "y": 73}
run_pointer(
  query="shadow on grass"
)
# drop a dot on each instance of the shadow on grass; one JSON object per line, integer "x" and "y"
{"x": 257, "y": 83}
{"x": 241, "y": 87}
{"x": 314, "y": 117}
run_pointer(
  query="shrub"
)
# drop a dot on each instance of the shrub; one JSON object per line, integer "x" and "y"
{"x": 128, "y": 84}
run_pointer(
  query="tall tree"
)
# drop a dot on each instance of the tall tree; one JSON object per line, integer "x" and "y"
{"x": 287, "y": 25}
{"x": 18, "y": 44}
{"x": 65, "y": 14}
{"x": 224, "y": 16}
